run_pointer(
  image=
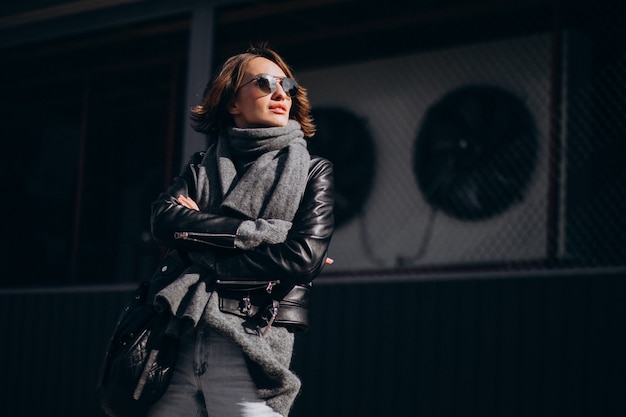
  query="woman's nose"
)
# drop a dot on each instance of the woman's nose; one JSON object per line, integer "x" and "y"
{"x": 279, "y": 93}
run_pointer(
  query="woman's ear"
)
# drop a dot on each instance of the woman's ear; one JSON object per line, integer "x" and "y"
{"x": 232, "y": 108}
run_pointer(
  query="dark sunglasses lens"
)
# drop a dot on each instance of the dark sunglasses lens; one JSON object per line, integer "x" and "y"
{"x": 290, "y": 86}
{"x": 265, "y": 84}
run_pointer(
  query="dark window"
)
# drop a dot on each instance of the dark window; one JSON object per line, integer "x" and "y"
{"x": 91, "y": 133}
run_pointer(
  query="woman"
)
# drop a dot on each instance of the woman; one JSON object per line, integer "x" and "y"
{"x": 254, "y": 207}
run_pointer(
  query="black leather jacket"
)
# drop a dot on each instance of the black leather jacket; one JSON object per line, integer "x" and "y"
{"x": 296, "y": 261}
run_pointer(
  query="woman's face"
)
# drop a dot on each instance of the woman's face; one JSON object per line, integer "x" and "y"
{"x": 254, "y": 108}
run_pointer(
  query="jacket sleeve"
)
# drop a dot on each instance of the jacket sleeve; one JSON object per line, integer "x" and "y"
{"x": 178, "y": 227}
{"x": 302, "y": 256}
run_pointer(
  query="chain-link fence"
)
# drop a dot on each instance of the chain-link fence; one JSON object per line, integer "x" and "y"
{"x": 501, "y": 153}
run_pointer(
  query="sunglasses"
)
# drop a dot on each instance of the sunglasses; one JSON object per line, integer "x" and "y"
{"x": 267, "y": 83}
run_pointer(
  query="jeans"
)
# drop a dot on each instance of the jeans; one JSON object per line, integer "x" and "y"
{"x": 211, "y": 379}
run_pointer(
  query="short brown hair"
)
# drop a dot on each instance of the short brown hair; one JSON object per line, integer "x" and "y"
{"x": 211, "y": 116}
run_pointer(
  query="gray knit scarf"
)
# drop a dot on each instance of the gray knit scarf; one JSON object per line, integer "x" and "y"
{"x": 275, "y": 162}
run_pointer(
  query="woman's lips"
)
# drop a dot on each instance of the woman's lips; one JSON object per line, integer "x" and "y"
{"x": 278, "y": 109}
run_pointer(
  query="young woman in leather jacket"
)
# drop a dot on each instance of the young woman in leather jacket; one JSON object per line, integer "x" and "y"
{"x": 247, "y": 225}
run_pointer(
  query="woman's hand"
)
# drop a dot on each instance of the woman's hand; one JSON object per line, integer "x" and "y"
{"x": 188, "y": 202}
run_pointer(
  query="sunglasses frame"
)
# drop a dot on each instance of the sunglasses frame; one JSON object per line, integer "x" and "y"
{"x": 272, "y": 82}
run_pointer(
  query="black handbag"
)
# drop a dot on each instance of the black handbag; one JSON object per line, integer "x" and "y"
{"x": 140, "y": 358}
{"x": 266, "y": 300}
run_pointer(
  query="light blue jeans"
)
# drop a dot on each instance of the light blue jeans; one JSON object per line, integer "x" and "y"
{"x": 211, "y": 380}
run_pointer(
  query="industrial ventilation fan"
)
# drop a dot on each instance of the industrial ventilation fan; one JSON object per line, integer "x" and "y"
{"x": 343, "y": 138}
{"x": 475, "y": 152}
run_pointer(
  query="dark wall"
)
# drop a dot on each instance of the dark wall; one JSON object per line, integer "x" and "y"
{"x": 506, "y": 347}
{"x": 541, "y": 346}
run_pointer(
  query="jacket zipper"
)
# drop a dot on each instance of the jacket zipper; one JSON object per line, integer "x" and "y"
{"x": 269, "y": 285}
{"x": 194, "y": 237}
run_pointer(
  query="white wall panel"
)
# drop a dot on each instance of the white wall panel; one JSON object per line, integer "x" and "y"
{"x": 393, "y": 95}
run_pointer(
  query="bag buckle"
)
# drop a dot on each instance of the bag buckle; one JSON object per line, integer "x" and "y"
{"x": 273, "y": 312}
{"x": 245, "y": 305}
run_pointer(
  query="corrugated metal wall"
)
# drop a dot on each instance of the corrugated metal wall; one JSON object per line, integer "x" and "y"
{"x": 507, "y": 347}
{"x": 52, "y": 345}
{"x": 539, "y": 346}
